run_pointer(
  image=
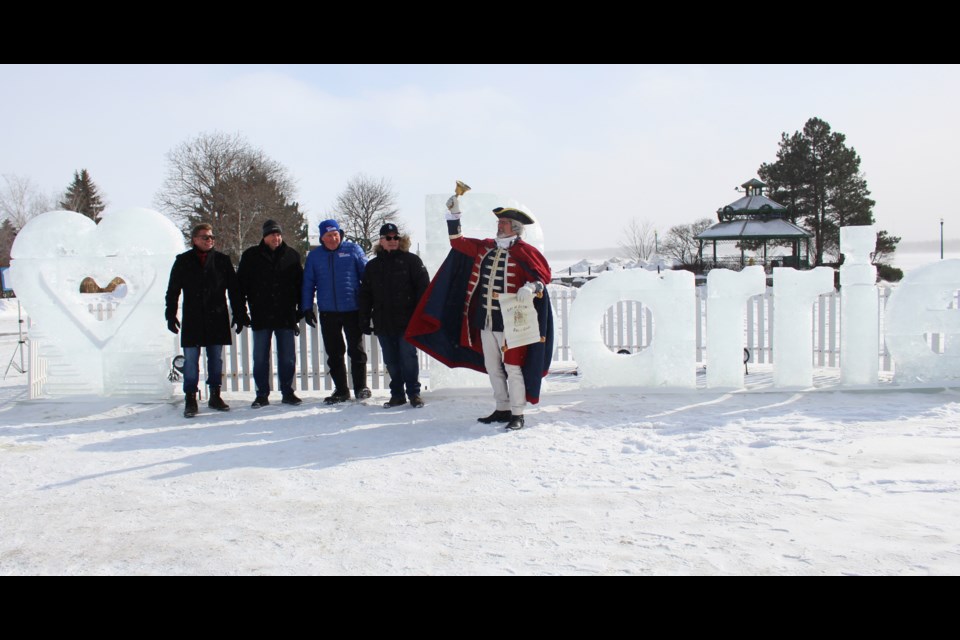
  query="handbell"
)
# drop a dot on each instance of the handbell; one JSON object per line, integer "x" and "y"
{"x": 462, "y": 188}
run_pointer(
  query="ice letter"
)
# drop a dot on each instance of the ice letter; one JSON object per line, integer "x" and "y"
{"x": 794, "y": 293}
{"x": 669, "y": 361}
{"x": 859, "y": 306}
{"x": 920, "y": 306}
{"x": 727, "y": 295}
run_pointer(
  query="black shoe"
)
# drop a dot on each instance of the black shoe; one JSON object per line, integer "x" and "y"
{"x": 363, "y": 394}
{"x": 261, "y": 401}
{"x": 516, "y": 423}
{"x": 496, "y": 416}
{"x": 416, "y": 402}
{"x": 215, "y": 401}
{"x": 338, "y": 396}
{"x": 190, "y": 408}
{"x": 291, "y": 398}
{"x": 394, "y": 401}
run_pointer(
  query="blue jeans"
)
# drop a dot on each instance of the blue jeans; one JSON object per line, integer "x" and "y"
{"x": 191, "y": 367}
{"x": 286, "y": 360}
{"x": 402, "y": 364}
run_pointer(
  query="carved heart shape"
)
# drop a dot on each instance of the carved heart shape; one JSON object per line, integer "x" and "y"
{"x": 95, "y": 339}
{"x": 98, "y": 316}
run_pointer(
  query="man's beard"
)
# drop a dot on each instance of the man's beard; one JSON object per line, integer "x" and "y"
{"x": 505, "y": 241}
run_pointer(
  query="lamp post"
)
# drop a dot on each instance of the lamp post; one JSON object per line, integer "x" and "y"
{"x": 941, "y": 238}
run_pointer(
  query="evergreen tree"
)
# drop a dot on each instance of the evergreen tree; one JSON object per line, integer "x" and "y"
{"x": 7, "y": 235}
{"x": 886, "y": 246}
{"x": 83, "y": 197}
{"x": 818, "y": 176}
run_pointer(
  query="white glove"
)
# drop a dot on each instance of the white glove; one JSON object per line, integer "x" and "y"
{"x": 526, "y": 292}
{"x": 453, "y": 205}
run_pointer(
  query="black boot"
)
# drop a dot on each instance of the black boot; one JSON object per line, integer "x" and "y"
{"x": 339, "y": 395}
{"x": 394, "y": 401}
{"x": 496, "y": 416}
{"x": 516, "y": 423}
{"x": 190, "y": 408}
{"x": 291, "y": 398}
{"x": 215, "y": 401}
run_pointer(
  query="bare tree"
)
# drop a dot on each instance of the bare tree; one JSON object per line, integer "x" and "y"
{"x": 21, "y": 200}
{"x": 224, "y": 181}
{"x": 639, "y": 240}
{"x": 364, "y": 206}
{"x": 681, "y": 242}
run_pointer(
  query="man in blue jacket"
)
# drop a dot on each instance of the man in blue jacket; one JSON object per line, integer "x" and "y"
{"x": 332, "y": 274}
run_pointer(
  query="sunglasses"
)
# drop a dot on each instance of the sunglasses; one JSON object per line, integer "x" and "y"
{"x": 391, "y": 238}
{"x": 206, "y": 238}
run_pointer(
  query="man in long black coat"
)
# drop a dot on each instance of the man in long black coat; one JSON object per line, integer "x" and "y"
{"x": 204, "y": 275}
{"x": 391, "y": 287}
{"x": 271, "y": 277}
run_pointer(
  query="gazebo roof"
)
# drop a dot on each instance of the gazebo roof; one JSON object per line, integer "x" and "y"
{"x": 754, "y": 217}
{"x": 760, "y": 228}
{"x": 751, "y": 205}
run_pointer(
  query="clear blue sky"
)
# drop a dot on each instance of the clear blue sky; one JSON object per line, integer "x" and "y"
{"x": 585, "y": 147}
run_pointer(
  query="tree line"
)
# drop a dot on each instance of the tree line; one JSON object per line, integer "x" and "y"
{"x": 218, "y": 179}
{"x": 225, "y": 181}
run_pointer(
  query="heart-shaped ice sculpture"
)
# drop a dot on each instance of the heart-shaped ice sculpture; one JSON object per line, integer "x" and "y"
{"x": 108, "y": 340}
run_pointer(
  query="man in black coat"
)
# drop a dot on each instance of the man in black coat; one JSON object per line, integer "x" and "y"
{"x": 391, "y": 287}
{"x": 204, "y": 275}
{"x": 271, "y": 276}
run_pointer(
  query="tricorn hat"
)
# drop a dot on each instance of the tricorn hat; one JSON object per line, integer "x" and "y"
{"x": 513, "y": 214}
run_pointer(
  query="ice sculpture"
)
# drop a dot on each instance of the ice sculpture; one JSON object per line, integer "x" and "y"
{"x": 477, "y": 221}
{"x": 669, "y": 361}
{"x": 794, "y": 293}
{"x": 111, "y": 340}
{"x": 859, "y": 306}
{"x": 920, "y": 306}
{"x": 727, "y": 295}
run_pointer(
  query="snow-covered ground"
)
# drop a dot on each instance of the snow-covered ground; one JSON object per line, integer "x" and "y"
{"x": 757, "y": 482}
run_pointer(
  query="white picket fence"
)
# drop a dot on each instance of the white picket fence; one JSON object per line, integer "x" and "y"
{"x": 627, "y": 326}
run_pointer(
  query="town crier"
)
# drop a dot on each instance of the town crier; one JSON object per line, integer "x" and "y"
{"x": 458, "y": 320}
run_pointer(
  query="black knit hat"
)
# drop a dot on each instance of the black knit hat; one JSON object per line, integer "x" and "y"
{"x": 270, "y": 226}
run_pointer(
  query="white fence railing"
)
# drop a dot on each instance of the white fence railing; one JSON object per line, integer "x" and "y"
{"x": 627, "y": 326}
{"x": 630, "y": 327}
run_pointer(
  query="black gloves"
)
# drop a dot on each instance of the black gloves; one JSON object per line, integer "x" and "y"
{"x": 310, "y": 316}
{"x": 240, "y": 321}
{"x": 173, "y": 325}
